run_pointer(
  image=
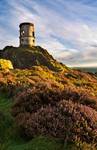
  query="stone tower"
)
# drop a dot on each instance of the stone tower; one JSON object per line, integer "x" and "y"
{"x": 27, "y": 34}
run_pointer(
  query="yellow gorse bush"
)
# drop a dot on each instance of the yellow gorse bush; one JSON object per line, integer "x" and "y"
{"x": 5, "y": 64}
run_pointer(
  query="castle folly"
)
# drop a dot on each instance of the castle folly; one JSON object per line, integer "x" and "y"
{"x": 27, "y": 34}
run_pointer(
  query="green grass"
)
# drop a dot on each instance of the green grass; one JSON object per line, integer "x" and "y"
{"x": 5, "y": 104}
{"x": 38, "y": 143}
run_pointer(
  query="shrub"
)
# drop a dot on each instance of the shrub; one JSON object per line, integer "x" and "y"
{"x": 80, "y": 96}
{"x": 5, "y": 64}
{"x": 47, "y": 112}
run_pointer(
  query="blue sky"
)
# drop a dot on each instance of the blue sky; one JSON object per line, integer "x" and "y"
{"x": 67, "y": 28}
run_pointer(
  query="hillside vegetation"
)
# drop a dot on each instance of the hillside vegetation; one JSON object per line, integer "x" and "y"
{"x": 47, "y": 108}
{"x": 26, "y": 57}
{"x": 5, "y": 64}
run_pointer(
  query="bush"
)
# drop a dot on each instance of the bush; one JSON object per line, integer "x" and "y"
{"x": 5, "y": 64}
{"x": 47, "y": 112}
{"x": 80, "y": 96}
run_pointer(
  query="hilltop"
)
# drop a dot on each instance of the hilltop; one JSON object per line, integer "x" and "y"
{"x": 26, "y": 57}
{"x": 41, "y": 96}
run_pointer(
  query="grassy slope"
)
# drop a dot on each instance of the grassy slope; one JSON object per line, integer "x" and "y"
{"x": 11, "y": 140}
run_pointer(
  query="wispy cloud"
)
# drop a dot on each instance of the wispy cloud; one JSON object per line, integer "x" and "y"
{"x": 68, "y": 29}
